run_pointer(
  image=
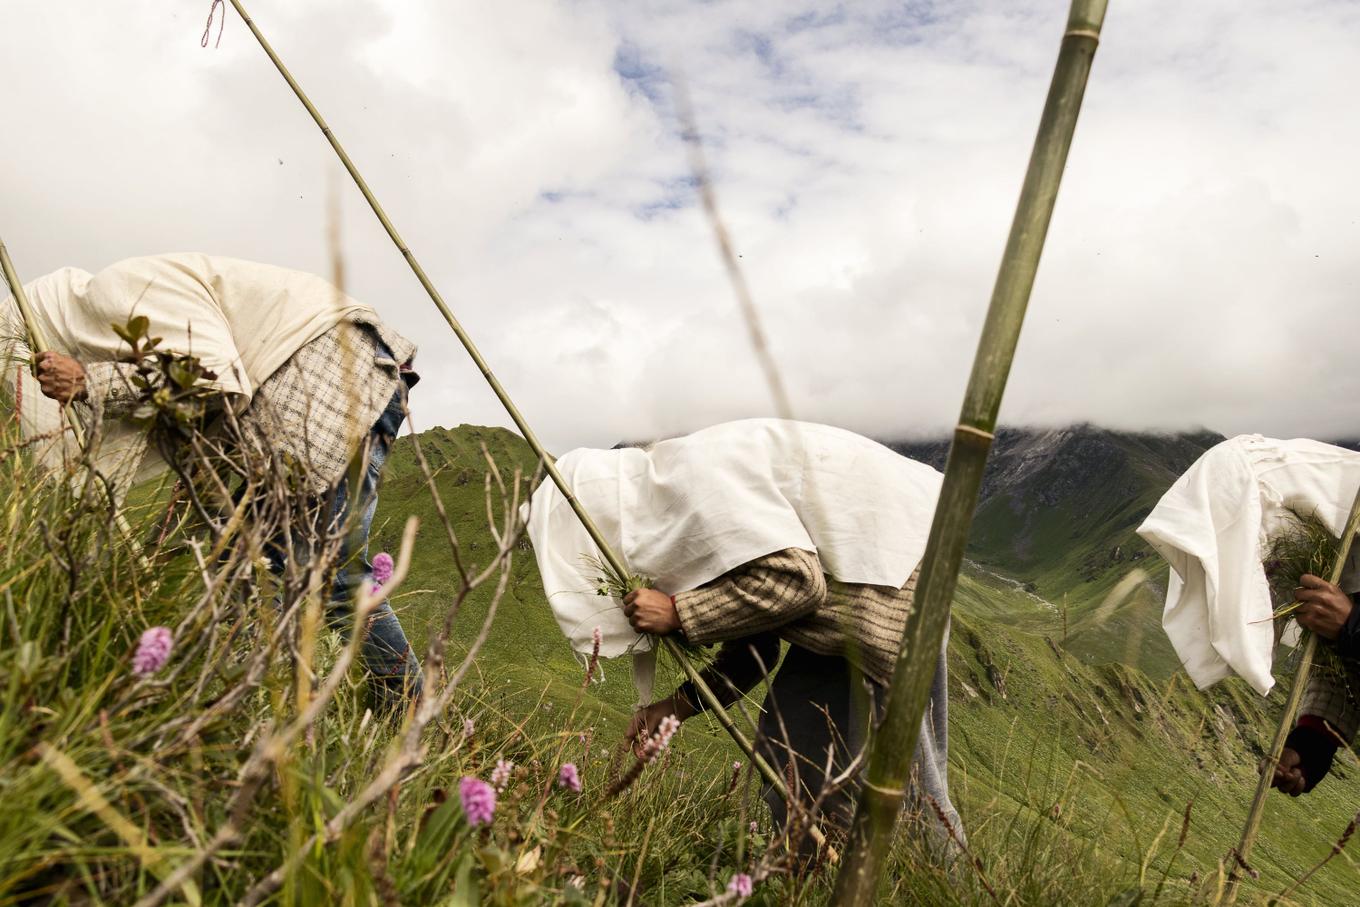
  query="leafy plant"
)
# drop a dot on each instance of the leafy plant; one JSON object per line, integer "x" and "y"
{"x": 173, "y": 389}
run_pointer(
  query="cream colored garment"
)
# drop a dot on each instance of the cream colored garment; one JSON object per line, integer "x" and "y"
{"x": 1214, "y": 526}
{"x": 241, "y": 318}
{"x": 688, "y": 510}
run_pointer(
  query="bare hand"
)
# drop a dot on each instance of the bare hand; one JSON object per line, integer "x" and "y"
{"x": 60, "y": 377}
{"x": 650, "y": 611}
{"x": 648, "y": 718}
{"x": 1289, "y": 777}
{"x": 1324, "y": 607}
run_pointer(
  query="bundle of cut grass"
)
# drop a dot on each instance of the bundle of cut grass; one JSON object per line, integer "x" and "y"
{"x": 613, "y": 584}
{"x": 1305, "y": 546}
{"x": 610, "y": 582}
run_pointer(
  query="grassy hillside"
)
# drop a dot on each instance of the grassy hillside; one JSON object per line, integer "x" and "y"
{"x": 1035, "y": 721}
{"x": 244, "y": 774}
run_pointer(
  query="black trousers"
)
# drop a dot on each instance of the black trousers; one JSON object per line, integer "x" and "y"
{"x": 816, "y": 704}
{"x": 821, "y": 704}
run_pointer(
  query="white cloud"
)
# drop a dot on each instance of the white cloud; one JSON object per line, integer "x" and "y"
{"x": 1200, "y": 269}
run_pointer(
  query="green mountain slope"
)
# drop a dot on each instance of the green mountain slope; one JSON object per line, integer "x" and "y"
{"x": 1058, "y": 514}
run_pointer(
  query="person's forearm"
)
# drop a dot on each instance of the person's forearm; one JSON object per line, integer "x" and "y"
{"x": 757, "y": 597}
{"x": 1316, "y": 743}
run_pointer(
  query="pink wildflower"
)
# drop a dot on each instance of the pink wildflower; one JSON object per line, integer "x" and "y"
{"x": 569, "y": 778}
{"x": 468, "y": 727}
{"x": 382, "y": 568}
{"x": 479, "y": 800}
{"x": 500, "y": 775}
{"x": 740, "y": 885}
{"x": 754, "y": 827}
{"x": 153, "y": 651}
{"x": 661, "y": 739}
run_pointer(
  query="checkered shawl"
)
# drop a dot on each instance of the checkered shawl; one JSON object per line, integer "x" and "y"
{"x": 314, "y": 411}
{"x": 318, "y": 408}
{"x": 1333, "y": 694}
{"x": 787, "y": 593}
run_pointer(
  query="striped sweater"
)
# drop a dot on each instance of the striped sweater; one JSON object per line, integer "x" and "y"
{"x": 786, "y": 594}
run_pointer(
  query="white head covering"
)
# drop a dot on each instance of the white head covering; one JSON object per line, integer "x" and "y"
{"x": 1214, "y": 526}
{"x": 685, "y": 511}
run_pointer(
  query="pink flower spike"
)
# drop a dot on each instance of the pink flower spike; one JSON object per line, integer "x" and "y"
{"x": 382, "y": 568}
{"x": 669, "y": 725}
{"x": 479, "y": 800}
{"x": 569, "y": 778}
{"x": 500, "y": 775}
{"x": 740, "y": 885}
{"x": 153, "y": 651}
{"x": 468, "y": 727}
{"x": 661, "y": 739}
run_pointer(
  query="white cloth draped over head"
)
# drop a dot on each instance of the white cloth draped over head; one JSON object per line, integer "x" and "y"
{"x": 242, "y": 319}
{"x": 1215, "y": 525}
{"x": 686, "y": 511}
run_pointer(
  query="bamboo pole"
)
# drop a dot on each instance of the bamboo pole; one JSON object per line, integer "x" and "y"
{"x": 1291, "y": 707}
{"x": 711, "y": 700}
{"x": 885, "y": 785}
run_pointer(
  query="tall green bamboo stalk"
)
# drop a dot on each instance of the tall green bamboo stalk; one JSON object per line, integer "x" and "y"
{"x": 1291, "y": 708}
{"x": 711, "y": 700}
{"x": 885, "y": 785}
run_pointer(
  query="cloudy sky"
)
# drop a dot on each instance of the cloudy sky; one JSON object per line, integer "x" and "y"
{"x": 1201, "y": 270}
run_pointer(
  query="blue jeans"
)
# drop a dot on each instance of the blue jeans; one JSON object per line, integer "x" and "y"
{"x": 394, "y": 670}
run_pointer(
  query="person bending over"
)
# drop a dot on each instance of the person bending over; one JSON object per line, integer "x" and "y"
{"x": 311, "y": 376}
